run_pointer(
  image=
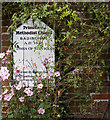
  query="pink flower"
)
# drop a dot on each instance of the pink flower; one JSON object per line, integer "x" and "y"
{"x": 44, "y": 63}
{"x": 17, "y": 71}
{"x": 57, "y": 73}
{"x": 18, "y": 78}
{"x": 75, "y": 70}
{"x": 48, "y": 74}
{"x": 11, "y": 94}
{"x": 12, "y": 91}
{"x": 5, "y": 76}
{"x": 21, "y": 99}
{"x": 47, "y": 94}
{"x": 38, "y": 79}
{"x": 8, "y": 52}
{"x": 7, "y": 62}
{"x": 31, "y": 87}
{"x": 46, "y": 59}
{"x": 29, "y": 93}
{"x": 41, "y": 111}
{"x": 34, "y": 64}
{"x": 7, "y": 97}
{"x": 18, "y": 87}
{"x": 49, "y": 70}
{"x": 4, "y": 73}
{"x": 5, "y": 103}
{"x": 43, "y": 76}
{"x": 38, "y": 91}
{"x": 2, "y": 55}
{"x": 49, "y": 59}
{"x": 40, "y": 86}
{"x": 4, "y": 59}
{"x": 4, "y": 70}
{"x": 13, "y": 86}
{"x": 3, "y": 62}
{"x": 27, "y": 90}
{"x": 1, "y": 97}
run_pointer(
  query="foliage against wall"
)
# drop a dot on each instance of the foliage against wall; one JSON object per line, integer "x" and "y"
{"x": 89, "y": 39}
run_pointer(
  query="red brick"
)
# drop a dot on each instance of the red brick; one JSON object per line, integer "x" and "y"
{"x": 4, "y": 29}
{"x": 72, "y": 103}
{"x": 5, "y": 36}
{"x": 106, "y": 83}
{"x": 77, "y": 116}
{"x": 103, "y": 77}
{"x": 87, "y": 108}
{"x": 74, "y": 109}
{"x": 5, "y": 43}
{"x": 101, "y": 96}
{"x": 102, "y": 106}
{"x": 104, "y": 90}
{"x": 108, "y": 89}
{"x": 86, "y": 116}
{"x": 6, "y": 22}
{"x": 91, "y": 115}
{"x": 78, "y": 102}
{"x": 69, "y": 50}
{"x": 100, "y": 115}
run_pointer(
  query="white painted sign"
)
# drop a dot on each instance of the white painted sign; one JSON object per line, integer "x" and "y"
{"x": 36, "y": 42}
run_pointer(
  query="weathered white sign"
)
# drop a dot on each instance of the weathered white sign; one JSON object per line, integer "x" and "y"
{"x": 36, "y": 42}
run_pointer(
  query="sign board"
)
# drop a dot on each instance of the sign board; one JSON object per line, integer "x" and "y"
{"x": 36, "y": 42}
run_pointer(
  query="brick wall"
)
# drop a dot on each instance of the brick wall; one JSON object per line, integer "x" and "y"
{"x": 101, "y": 107}
{"x": 5, "y": 42}
{"x": 101, "y": 100}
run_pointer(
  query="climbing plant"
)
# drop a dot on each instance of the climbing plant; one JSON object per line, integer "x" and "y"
{"x": 81, "y": 41}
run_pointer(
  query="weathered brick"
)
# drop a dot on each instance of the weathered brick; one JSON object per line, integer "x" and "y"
{"x": 4, "y": 29}
{"x": 104, "y": 89}
{"x": 5, "y": 43}
{"x": 106, "y": 83}
{"x": 100, "y": 115}
{"x": 6, "y": 22}
{"x": 74, "y": 109}
{"x": 101, "y": 96}
{"x": 5, "y": 36}
{"x": 108, "y": 89}
{"x": 102, "y": 106}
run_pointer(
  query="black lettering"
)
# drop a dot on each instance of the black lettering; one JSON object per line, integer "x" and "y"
{"x": 24, "y": 27}
{"x": 30, "y": 48}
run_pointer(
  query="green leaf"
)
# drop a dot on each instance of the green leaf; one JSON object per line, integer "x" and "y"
{"x": 11, "y": 116}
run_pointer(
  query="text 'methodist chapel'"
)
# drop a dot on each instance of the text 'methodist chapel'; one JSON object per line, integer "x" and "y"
{"x": 35, "y": 42}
